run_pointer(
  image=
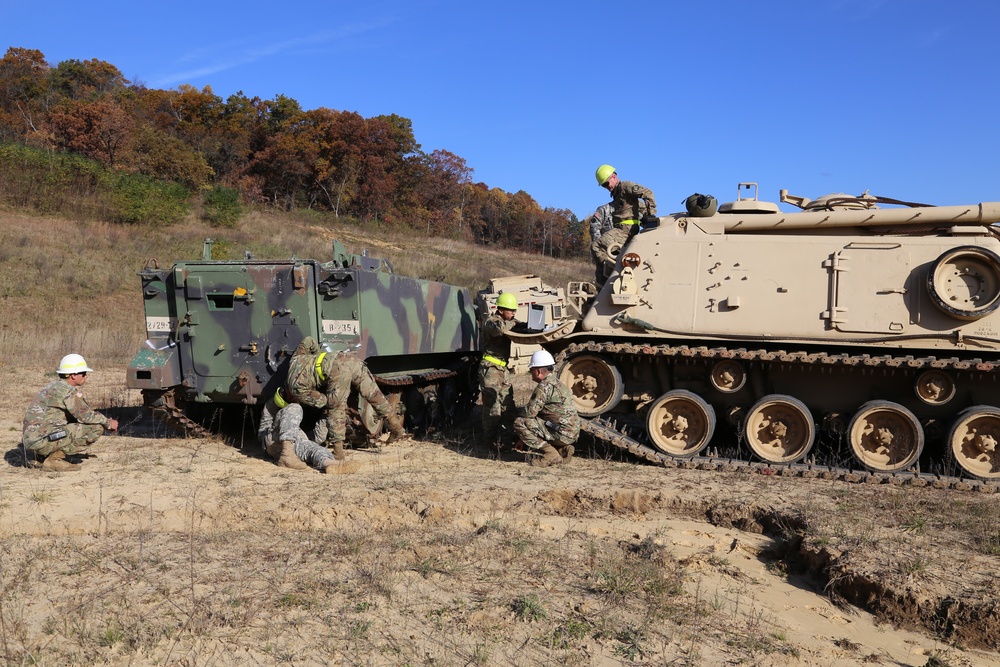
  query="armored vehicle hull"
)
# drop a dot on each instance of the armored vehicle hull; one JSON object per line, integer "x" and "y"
{"x": 220, "y": 333}
{"x": 847, "y": 334}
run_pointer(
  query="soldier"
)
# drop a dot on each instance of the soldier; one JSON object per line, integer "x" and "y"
{"x": 550, "y": 423}
{"x": 321, "y": 379}
{"x": 626, "y": 213}
{"x": 59, "y": 422}
{"x": 494, "y": 374}
{"x": 280, "y": 434}
{"x": 600, "y": 224}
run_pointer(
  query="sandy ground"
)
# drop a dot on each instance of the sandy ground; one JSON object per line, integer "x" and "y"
{"x": 201, "y": 552}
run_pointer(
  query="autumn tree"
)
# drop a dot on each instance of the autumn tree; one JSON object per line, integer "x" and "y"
{"x": 162, "y": 156}
{"x": 441, "y": 193}
{"x": 86, "y": 80}
{"x": 100, "y": 129}
{"x": 23, "y": 81}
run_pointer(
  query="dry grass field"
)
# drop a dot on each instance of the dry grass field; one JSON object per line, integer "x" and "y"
{"x": 166, "y": 551}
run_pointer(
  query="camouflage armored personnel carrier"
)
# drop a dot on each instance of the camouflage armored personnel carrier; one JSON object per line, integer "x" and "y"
{"x": 220, "y": 334}
{"x": 850, "y": 333}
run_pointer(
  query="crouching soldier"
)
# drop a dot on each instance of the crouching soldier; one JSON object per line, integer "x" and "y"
{"x": 59, "y": 422}
{"x": 321, "y": 379}
{"x": 280, "y": 434}
{"x": 550, "y": 424}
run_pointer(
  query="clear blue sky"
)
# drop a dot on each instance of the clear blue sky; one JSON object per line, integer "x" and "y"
{"x": 816, "y": 96}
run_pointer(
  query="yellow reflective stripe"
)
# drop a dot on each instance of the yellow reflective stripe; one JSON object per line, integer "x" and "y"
{"x": 493, "y": 360}
{"x": 279, "y": 400}
{"x": 319, "y": 366}
{"x": 629, "y": 222}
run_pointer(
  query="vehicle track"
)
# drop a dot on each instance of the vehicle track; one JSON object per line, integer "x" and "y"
{"x": 607, "y": 432}
{"x": 617, "y": 432}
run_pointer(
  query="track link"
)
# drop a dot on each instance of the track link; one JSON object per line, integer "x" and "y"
{"x": 164, "y": 409}
{"x": 608, "y": 431}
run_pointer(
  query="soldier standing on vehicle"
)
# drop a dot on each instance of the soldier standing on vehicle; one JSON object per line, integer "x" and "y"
{"x": 600, "y": 224}
{"x": 627, "y": 213}
{"x": 550, "y": 424}
{"x": 59, "y": 422}
{"x": 494, "y": 373}
{"x": 280, "y": 434}
{"x": 321, "y": 379}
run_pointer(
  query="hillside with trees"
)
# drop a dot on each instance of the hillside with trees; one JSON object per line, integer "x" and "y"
{"x": 78, "y": 139}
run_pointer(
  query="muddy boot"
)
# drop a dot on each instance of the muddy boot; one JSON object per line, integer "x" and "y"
{"x": 288, "y": 459}
{"x": 56, "y": 462}
{"x": 396, "y": 430}
{"x": 338, "y": 450}
{"x": 567, "y": 453}
{"x": 550, "y": 456}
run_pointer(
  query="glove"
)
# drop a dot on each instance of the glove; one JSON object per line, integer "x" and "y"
{"x": 650, "y": 220}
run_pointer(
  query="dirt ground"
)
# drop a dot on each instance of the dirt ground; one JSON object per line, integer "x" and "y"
{"x": 169, "y": 551}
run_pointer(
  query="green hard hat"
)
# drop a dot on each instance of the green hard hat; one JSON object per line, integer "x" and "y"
{"x": 507, "y": 300}
{"x": 604, "y": 173}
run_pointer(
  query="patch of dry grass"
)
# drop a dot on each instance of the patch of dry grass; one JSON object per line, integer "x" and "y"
{"x": 321, "y": 595}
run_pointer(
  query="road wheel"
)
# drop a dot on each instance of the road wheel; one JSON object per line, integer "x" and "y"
{"x": 965, "y": 282}
{"x": 780, "y": 429}
{"x": 885, "y": 436}
{"x": 595, "y": 382}
{"x": 680, "y": 423}
{"x": 973, "y": 441}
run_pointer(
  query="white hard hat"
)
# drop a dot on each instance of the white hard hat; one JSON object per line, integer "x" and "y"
{"x": 541, "y": 359}
{"x": 73, "y": 363}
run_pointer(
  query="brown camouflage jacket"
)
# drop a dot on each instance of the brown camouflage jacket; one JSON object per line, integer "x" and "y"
{"x": 56, "y": 405}
{"x": 625, "y": 201}
{"x": 553, "y": 402}
{"x": 495, "y": 343}
{"x": 303, "y": 383}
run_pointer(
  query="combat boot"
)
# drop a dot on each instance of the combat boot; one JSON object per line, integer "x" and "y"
{"x": 56, "y": 462}
{"x": 550, "y": 456}
{"x": 567, "y": 453}
{"x": 288, "y": 459}
{"x": 396, "y": 430}
{"x": 338, "y": 450}
{"x": 329, "y": 466}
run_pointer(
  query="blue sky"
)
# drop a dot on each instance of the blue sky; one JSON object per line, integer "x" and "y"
{"x": 899, "y": 97}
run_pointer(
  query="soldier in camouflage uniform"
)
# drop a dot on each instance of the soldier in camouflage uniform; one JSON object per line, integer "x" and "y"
{"x": 600, "y": 224}
{"x": 494, "y": 374}
{"x": 550, "y": 424}
{"x": 627, "y": 213}
{"x": 59, "y": 422}
{"x": 280, "y": 434}
{"x": 324, "y": 380}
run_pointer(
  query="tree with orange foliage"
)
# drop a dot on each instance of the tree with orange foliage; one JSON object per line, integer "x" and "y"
{"x": 100, "y": 129}
{"x": 23, "y": 82}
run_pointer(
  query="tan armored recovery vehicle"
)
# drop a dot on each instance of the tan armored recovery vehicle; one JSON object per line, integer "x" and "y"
{"x": 859, "y": 323}
{"x": 541, "y": 308}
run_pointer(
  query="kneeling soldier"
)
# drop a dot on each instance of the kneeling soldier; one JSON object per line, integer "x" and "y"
{"x": 550, "y": 423}
{"x": 59, "y": 422}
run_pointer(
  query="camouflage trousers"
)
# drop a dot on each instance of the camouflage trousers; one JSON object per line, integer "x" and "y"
{"x": 498, "y": 399}
{"x": 77, "y": 437}
{"x": 606, "y": 249}
{"x": 535, "y": 433}
{"x": 287, "y": 425}
{"x": 350, "y": 373}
